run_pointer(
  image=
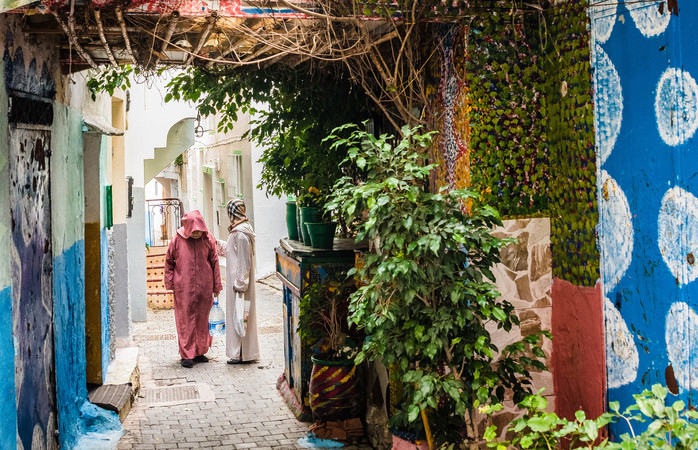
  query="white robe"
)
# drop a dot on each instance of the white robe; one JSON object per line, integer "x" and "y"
{"x": 240, "y": 277}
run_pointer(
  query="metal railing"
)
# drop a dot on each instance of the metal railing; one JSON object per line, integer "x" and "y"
{"x": 163, "y": 218}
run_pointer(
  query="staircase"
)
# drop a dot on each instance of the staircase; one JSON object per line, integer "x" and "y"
{"x": 158, "y": 296}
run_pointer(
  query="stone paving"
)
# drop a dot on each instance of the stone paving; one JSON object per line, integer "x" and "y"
{"x": 238, "y": 407}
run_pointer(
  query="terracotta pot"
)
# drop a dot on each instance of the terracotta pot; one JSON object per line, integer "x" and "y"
{"x": 403, "y": 444}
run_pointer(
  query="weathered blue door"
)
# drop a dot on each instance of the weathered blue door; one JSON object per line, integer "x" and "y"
{"x": 32, "y": 285}
{"x": 645, "y": 58}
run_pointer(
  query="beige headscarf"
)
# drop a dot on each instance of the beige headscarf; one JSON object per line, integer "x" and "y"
{"x": 237, "y": 213}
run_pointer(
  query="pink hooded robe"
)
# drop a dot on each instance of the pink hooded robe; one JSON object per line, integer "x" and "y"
{"x": 192, "y": 272}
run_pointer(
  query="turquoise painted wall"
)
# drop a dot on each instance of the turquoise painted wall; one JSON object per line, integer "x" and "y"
{"x": 77, "y": 418}
{"x": 8, "y": 409}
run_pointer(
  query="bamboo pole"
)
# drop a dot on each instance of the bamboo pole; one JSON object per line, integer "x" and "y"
{"x": 103, "y": 38}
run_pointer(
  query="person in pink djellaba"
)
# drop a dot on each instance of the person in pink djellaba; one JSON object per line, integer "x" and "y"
{"x": 192, "y": 272}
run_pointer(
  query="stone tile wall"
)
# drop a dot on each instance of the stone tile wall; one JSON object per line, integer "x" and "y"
{"x": 524, "y": 278}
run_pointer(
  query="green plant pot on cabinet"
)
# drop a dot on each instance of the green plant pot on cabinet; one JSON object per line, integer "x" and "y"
{"x": 321, "y": 234}
{"x": 292, "y": 220}
{"x": 309, "y": 214}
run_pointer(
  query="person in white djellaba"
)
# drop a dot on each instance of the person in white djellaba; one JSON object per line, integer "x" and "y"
{"x": 241, "y": 342}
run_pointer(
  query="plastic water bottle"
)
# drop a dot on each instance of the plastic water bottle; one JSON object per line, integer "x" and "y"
{"x": 216, "y": 320}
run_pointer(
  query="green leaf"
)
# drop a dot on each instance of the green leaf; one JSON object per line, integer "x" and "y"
{"x": 490, "y": 433}
{"x": 413, "y": 413}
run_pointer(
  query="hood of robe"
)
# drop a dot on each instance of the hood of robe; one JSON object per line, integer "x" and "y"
{"x": 192, "y": 221}
{"x": 246, "y": 228}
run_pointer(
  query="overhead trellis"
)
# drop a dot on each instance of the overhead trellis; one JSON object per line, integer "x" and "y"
{"x": 170, "y": 32}
{"x": 379, "y": 43}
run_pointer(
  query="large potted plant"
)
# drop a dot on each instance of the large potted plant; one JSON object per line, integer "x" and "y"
{"x": 335, "y": 387}
{"x": 426, "y": 293}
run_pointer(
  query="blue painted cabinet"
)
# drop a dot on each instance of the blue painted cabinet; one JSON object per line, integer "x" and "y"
{"x": 297, "y": 266}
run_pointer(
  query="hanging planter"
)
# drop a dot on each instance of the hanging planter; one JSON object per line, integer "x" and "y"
{"x": 292, "y": 220}
{"x": 322, "y": 234}
{"x": 335, "y": 389}
{"x": 309, "y": 214}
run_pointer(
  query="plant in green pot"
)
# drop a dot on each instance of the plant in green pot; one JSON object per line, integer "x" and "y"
{"x": 426, "y": 295}
{"x": 292, "y": 218}
{"x": 311, "y": 202}
{"x": 335, "y": 387}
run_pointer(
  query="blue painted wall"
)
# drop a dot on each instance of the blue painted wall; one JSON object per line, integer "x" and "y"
{"x": 104, "y": 244}
{"x": 78, "y": 419}
{"x": 8, "y": 408}
{"x": 646, "y": 114}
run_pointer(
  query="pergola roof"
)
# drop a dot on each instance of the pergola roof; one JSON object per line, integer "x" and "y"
{"x": 149, "y": 33}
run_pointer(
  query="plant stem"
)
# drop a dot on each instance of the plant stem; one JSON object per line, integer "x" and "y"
{"x": 427, "y": 430}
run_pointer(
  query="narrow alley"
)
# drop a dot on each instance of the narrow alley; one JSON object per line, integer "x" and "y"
{"x": 213, "y": 405}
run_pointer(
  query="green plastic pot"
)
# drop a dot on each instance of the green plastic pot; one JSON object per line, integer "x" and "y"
{"x": 292, "y": 221}
{"x": 321, "y": 234}
{"x": 309, "y": 214}
{"x": 299, "y": 224}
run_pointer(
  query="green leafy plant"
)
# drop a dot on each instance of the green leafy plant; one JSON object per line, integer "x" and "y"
{"x": 323, "y": 310}
{"x": 312, "y": 197}
{"x": 110, "y": 78}
{"x": 669, "y": 426}
{"x": 427, "y": 297}
{"x": 292, "y": 109}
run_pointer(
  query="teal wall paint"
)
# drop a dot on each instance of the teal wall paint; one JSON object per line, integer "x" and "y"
{"x": 8, "y": 408}
{"x": 77, "y": 418}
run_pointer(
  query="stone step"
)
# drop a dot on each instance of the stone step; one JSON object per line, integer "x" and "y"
{"x": 121, "y": 384}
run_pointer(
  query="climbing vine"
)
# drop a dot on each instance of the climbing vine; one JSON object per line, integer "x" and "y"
{"x": 573, "y": 207}
{"x": 509, "y": 158}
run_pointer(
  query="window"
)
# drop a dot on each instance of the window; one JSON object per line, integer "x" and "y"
{"x": 234, "y": 174}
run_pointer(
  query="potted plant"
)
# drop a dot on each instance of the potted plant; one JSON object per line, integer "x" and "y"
{"x": 311, "y": 202}
{"x": 335, "y": 387}
{"x": 426, "y": 293}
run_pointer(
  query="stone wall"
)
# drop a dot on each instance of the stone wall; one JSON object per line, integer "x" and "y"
{"x": 524, "y": 278}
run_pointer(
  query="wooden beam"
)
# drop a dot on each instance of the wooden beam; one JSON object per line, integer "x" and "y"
{"x": 100, "y": 30}
{"x": 124, "y": 34}
{"x": 211, "y": 20}
{"x": 70, "y": 32}
{"x": 174, "y": 18}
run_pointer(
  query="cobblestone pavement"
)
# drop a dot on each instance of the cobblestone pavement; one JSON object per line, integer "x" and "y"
{"x": 237, "y": 407}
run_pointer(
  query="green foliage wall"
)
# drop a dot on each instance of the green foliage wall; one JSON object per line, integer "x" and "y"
{"x": 531, "y": 139}
{"x": 570, "y": 132}
{"x": 504, "y": 80}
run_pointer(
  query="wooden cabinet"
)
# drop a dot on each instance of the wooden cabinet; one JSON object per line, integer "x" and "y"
{"x": 298, "y": 266}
